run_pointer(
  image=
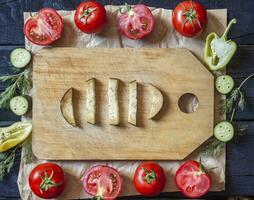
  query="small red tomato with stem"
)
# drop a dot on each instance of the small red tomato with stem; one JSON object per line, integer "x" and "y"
{"x": 47, "y": 180}
{"x": 149, "y": 179}
{"x": 192, "y": 179}
{"x": 136, "y": 22}
{"x": 44, "y": 28}
{"x": 189, "y": 18}
{"x": 90, "y": 17}
{"x": 102, "y": 182}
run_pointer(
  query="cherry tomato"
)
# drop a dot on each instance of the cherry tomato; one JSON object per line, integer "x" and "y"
{"x": 90, "y": 17}
{"x": 44, "y": 27}
{"x": 136, "y": 22}
{"x": 47, "y": 180}
{"x": 192, "y": 180}
{"x": 103, "y": 182}
{"x": 189, "y": 18}
{"x": 149, "y": 179}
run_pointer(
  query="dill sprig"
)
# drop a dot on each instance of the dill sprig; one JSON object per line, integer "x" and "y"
{"x": 7, "y": 161}
{"x": 20, "y": 84}
{"x": 235, "y": 99}
{"x": 213, "y": 148}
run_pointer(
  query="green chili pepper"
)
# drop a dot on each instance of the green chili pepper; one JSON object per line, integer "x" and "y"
{"x": 219, "y": 50}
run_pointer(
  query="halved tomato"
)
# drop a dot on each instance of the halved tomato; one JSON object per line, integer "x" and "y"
{"x": 192, "y": 180}
{"x": 136, "y": 22}
{"x": 44, "y": 27}
{"x": 103, "y": 182}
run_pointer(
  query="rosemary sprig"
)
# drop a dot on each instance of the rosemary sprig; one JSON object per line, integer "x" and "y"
{"x": 236, "y": 99}
{"x": 19, "y": 84}
{"x": 7, "y": 161}
{"x": 213, "y": 147}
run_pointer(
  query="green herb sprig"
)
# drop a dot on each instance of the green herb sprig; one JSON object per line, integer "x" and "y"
{"x": 236, "y": 99}
{"x": 213, "y": 147}
{"x": 7, "y": 161}
{"x": 19, "y": 84}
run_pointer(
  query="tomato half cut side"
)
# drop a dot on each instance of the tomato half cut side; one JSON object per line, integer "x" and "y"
{"x": 136, "y": 22}
{"x": 191, "y": 179}
{"x": 44, "y": 28}
{"x": 103, "y": 182}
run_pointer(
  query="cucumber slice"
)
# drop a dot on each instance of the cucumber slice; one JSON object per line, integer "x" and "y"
{"x": 20, "y": 57}
{"x": 19, "y": 105}
{"x": 224, "y": 131}
{"x": 224, "y": 84}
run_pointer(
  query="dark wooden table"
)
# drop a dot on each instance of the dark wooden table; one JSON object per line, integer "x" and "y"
{"x": 240, "y": 155}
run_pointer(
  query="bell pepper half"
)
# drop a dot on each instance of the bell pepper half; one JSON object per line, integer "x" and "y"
{"x": 219, "y": 50}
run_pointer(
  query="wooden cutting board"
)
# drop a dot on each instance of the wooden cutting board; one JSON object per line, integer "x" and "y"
{"x": 171, "y": 136}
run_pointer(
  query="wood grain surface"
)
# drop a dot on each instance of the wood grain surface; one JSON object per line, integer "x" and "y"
{"x": 240, "y": 175}
{"x": 172, "y": 135}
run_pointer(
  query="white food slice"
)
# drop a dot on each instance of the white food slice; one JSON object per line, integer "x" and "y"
{"x": 66, "y": 106}
{"x": 157, "y": 101}
{"x": 132, "y": 116}
{"x": 90, "y": 101}
{"x": 113, "y": 108}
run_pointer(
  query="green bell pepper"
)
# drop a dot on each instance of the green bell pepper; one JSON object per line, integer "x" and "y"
{"x": 219, "y": 50}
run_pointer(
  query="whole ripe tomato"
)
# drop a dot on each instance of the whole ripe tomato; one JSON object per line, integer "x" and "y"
{"x": 149, "y": 179}
{"x": 189, "y": 18}
{"x": 47, "y": 180}
{"x": 90, "y": 17}
{"x": 192, "y": 180}
{"x": 102, "y": 182}
{"x": 44, "y": 28}
{"x": 136, "y": 22}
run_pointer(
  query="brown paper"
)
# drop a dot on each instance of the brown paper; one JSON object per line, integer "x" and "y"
{"x": 164, "y": 36}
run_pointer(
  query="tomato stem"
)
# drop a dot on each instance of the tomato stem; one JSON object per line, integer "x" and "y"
{"x": 47, "y": 182}
{"x": 150, "y": 175}
{"x": 87, "y": 13}
{"x": 190, "y": 16}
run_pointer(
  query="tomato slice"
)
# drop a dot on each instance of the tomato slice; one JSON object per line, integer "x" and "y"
{"x": 137, "y": 22}
{"x": 192, "y": 180}
{"x": 103, "y": 181}
{"x": 44, "y": 28}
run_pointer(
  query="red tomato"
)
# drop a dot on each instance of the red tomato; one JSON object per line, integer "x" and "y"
{"x": 136, "y": 22}
{"x": 44, "y": 28}
{"x": 149, "y": 179}
{"x": 47, "y": 180}
{"x": 103, "y": 182}
{"x": 189, "y": 18}
{"x": 192, "y": 180}
{"x": 90, "y": 17}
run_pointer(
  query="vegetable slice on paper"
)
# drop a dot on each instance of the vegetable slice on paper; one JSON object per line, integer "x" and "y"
{"x": 113, "y": 108}
{"x": 224, "y": 131}
{"x": 90, "y": 101}
{"x": 66, "y": 107}
{"x": 132, "y": 116}
{"x": 157, "y": 101}
{"x": 14, "y": 134}
{"x": 20, "y": 57}
{"x": 219, "y": 50}
{"x": 224, "y": 84}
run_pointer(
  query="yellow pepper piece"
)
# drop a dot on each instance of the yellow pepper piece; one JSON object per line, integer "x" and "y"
{"x": 13, "y": 135}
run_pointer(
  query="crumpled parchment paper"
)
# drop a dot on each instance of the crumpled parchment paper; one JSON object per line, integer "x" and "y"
{"x": 164, "y": 36}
